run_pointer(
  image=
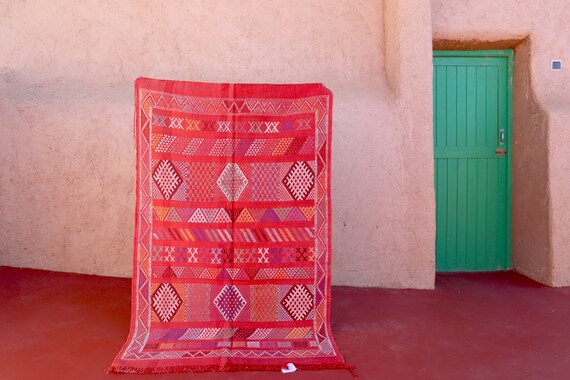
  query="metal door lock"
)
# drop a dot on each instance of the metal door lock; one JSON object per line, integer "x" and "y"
{"x": 501, "y": 152}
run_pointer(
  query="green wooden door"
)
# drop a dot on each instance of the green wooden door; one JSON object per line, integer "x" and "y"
{"x": 472, "y": 125}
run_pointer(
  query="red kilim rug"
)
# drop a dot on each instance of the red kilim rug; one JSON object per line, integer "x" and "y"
{"x": 233, "y": 235}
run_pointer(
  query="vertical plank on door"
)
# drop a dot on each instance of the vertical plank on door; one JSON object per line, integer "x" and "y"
{"x": 441, "y": 124}
{"x": 491, "y": 224}
{"x": 462, "y": 213}
{"x": 472, "y": 196}
{"x": 441, "y": 214}
{"x": 451, "y": 213}
{"x": 471, "y": 106}
{"x": 451, "y": 106}
{"x": 481, "y": 222}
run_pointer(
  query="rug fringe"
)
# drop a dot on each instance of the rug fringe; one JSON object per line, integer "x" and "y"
{"x": 226, "y": 368}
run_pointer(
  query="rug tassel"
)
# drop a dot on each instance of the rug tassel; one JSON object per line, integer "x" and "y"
{"x": 225, "y": 368}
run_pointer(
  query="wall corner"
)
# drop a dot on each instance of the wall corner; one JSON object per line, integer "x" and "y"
{"x": 409, "y": 71}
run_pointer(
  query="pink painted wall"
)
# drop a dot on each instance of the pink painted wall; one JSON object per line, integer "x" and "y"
{"x": 541, "y": 200}
{"x": 67, "y": 159}
{"x": 66, "y": 80}
{"x": 531, "y": 200}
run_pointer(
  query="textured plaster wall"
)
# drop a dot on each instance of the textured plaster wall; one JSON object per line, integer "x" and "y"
{"x": 545, "y": 23}
{"x": 66, "y": 146}
{"x": 531, "y": 200}
{"x": 408, "y": 50}
{"x": 67, "y": 153}
{"x": 559, "y": 153}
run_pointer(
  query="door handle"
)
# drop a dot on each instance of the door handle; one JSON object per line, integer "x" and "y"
{"x": 501, "y": 136}
{"x": 501, "y": 152}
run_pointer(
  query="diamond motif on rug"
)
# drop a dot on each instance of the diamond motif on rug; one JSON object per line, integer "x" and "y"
{"x": 299, "y": 180}
{"x": 167, "y": 178}
{"x": 266, "y": 178}
{"x": 201, "y": 181}
{"x": 232, "y": 263}
{"x": 166, "y": 302}
{"x": 232, "y": 181}
{"x": 230, "y": 302}
{"x": 298, "y": 302}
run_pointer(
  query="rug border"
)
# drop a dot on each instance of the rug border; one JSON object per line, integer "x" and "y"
{"x": 234, "y": 91}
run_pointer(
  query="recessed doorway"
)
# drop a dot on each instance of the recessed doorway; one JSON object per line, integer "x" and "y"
{"x": 472, "y": 141}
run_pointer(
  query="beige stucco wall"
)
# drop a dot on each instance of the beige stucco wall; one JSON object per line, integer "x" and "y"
{"x": 67, "y": 152}
{"x": 536, "y": 195}
{"x": 559, "y": 187}
{"x": 66, "y": 144}
{"x": 530, "y": 196}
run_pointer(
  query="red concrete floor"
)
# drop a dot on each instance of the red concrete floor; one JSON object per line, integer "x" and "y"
{"x": 472, "y": 326}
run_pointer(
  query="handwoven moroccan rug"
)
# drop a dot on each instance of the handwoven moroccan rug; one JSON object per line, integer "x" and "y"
{"x": 233, "y": 231}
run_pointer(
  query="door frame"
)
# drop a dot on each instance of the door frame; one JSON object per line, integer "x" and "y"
{"x": 509, "y": 55}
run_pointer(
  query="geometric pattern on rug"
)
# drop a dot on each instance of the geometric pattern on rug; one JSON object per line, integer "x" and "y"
{"x": 298, "y": 302}
{"x": 232, "y": 258}
{"x": 166, "y": 302}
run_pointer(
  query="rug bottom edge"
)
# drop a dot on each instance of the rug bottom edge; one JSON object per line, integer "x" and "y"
{"x": 224, "y": 368}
